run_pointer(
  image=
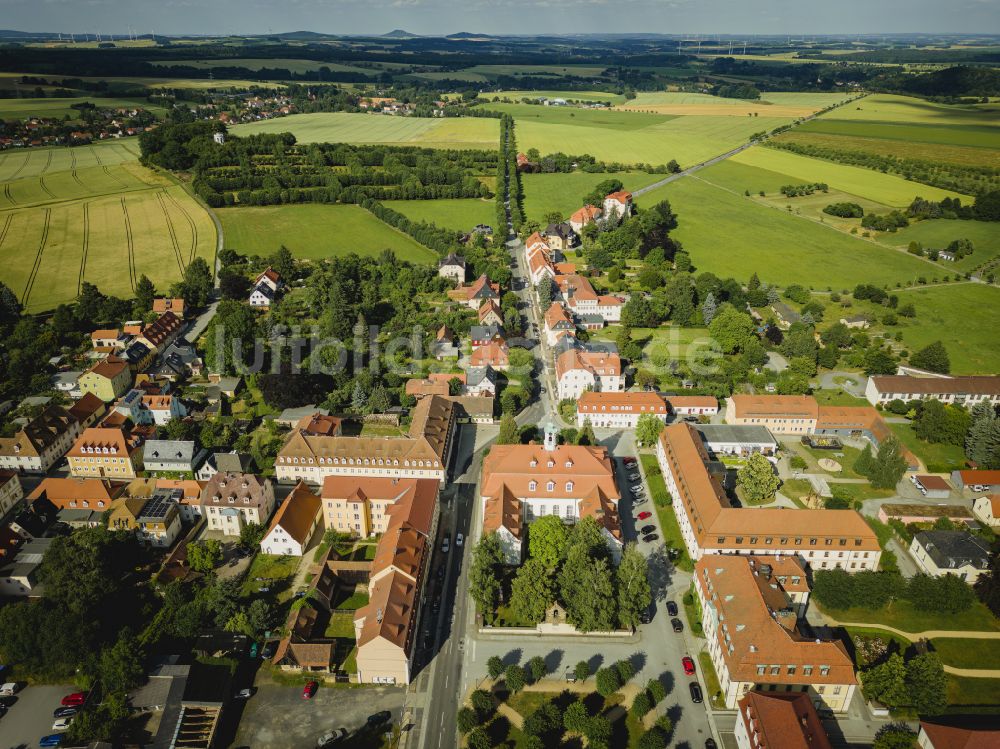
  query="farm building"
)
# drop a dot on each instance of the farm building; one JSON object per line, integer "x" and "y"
{"x": 932, "y": 487}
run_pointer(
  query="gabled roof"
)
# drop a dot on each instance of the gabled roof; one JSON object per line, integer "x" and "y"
{"x": 104, "y": 441}
{"x": 39, "y": 434}
{"x": 621, "y": 196}
{"x": 516, "y": 466}
{"x": 953, "y": 549}
{"x": 76, "y": 492}
{"x": 769, "y": 406}
{"x": 586, "y": 214}
{"x": 503, "y": 510}
{"x": 452, "y": 259}
{"x": 598, "y": 363}
{"x": 483, "y": 288}
{"x": 162, "y": 328}
{"x": 297, "y": 513}
{"x": 171, "y": 451}
{"x": 972, "y": 385}
{"x": 961, "y": 737}
{"x": 783, "y": 720}
{"x": 109, "y": 368}
{"x": 86, "y": 407}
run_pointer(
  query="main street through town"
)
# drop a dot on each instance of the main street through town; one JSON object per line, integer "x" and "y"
{"x": 453, "y": 651}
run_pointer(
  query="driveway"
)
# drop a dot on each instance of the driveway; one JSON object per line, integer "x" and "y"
{"x": 278, "y": 717}
{"x": 30, "y": 717}
{"x": 852, "y": 383}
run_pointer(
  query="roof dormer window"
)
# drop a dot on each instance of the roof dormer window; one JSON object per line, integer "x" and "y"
{"x": 569, "y": 486}
{"x": 532, "y": 485}
{"x": 550, "y": 486}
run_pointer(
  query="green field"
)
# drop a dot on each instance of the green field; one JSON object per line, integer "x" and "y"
{"x": 639, "y": 138}
{"x": 343, "y": 127}
{"x": 92, "y": 213}
{"x": 580, "y": 71}
{"x": 939, "y": 233}
{"x": 458, "y": 214}
{"x": 19, "y": 109}
{"x": 730, "y": 235}
{"x": 316, "y": 231}
{"x": 546, "y": 193}
{"x": 806, "y": 101}
{"x": 567, "y": 95}
{"x": 866, "y": 183}
{"x": 294, "y": 66}
{"x": 966, "y": 317}
{"x": 903, "y": 149}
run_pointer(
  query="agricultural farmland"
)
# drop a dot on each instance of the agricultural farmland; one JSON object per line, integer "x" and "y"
{"x": 777, "y": 104}
{"x": 548, "y": 193}
{"x": 457, "y": 214}
{"x": 343, "y": 127}
{"x": 92, "y": 213}
{"x": 15, "y": 109}
{"x": 317, "y": 231}
{"x": 730, "y": 235}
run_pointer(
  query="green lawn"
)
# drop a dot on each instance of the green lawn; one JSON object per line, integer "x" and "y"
{"x": 277, "y": 572}
{"x": 939, "y": 233}
{"x": 660, "y": 500}
{"x": 902, "y": 616}
{"x": 458, "y": 214}
{"x": 340, "y": 625}
{"x": 839, "y": 397}
{"x": 963, "y": 652}
{"x": 973, "y": 309}
{"x": 866, "y": 183}
{"x": 973, "y": 692}
{"x": 347, "y": 127}
{"x": 711, "y": 680}
{"x": 316, "y": 231}
{"x": 547, "y": 193}
{"x": 937, "y": 457}
{"x": 730, "y": 235}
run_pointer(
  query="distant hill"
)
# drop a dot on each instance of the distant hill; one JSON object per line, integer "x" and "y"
{"x": 468, "y": 35}
{"x": 961, "y": 80}
{"x": 303, "y": 35}
{"x": 399, "y": 34}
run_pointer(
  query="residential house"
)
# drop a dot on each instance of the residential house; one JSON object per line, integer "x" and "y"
{"x": 174, "y": 305}
{"x": 754, "y": 641}
{"x": 617, "y": 205}
{"x": 481, "y": 290}
{"x": 490, "y": 314}
{"x": 986, "y": 510}
{"x": 693, "y": 405}
{"x": 76, "y": 495}
{"x": 581, "y": 298}
{"x": 977, "y": 480}
{"x": 422, "y": 387}
{"x": 825, "y": 539}
{"x": 178, "y": 360}
{"x": 19, "y": 574}
{"x": 560, "y": 237}
{"x": 171, "y": 456}
{"x": 965, "y": 391}
{"x": 959, "y": 553}
{"x": 109, "y": 340}
{"x": 186, "y": 493}
{"x": 618, "y": 410}
{"x": 495, "y": 355}
{"x": 163, "y": 408}
{"x": 386, "y": 628}
{"x": 558, "y": 323}
{"x": 481, "y": 381}
{"x": 524, "y": 482}
{"x": 578, "y": 371}
{"x": 424, "y": 453}
{"x": 294, "y": 524}
{"x": 231, "y": 501}
{"x": 583, "y": 217}
{"x": 959, "y": 735}
{"x": 359, "y": 505}
{"x": 161, "y": 332}
{"x": 124, "y": 515}
{"x": 484, "y": 335}
{"x": 269, "y": 278}
{"x": 11, "y": 491}
{"x": 444, "y": 346}
{"x": 88, "y": 410}
{"x": 108, "y": 379}
{"x": 37, "y": 445}
{"x": 453, "y": 267}
{"x": 106, "y": 452}
{"x": 138, "y": 356}
{"x": 779, "y": 720}
{"x": 786, "y": 315}
{"x": 262, "y": 296}
{"x": 230, "y": 462}
{"x": 159, "y": 522}
{"x": 856, "y": 322}
{"x": 67, "y": 382}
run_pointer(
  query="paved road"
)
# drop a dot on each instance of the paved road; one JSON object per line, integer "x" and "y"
{"x": 691, "y": 170}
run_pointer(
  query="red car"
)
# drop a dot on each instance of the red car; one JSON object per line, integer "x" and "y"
{"x": 629, "y": 461}
{"x": 74, "y": 700}
{"x": 688, "y": 665}
{"x": 645, "y": 515}
{"x": 310, "y": 689}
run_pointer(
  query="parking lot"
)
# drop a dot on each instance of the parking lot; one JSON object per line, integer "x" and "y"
{"x": 30, "y": 717}
{"x": 278, "y": 717}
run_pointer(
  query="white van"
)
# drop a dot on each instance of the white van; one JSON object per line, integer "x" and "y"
{"x": 8, "y": 690}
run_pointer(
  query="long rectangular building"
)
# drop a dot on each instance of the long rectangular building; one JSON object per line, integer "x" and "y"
{"x": 618, "y": 410}
{"x": 825, "y": 539}
{"x": 967, "y": 391}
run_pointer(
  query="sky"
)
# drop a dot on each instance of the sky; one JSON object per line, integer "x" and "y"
{"x": 214, "y": 17}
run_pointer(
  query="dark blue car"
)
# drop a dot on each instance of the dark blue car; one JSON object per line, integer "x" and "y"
{"x": 53, "y": 739}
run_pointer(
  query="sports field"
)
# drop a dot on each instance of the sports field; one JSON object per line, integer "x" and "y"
{"x": 92, "y": 213}
{"x": 731, "y": 235}
{"x": 637, "y": 137}
{"x": 866, "y": 183}
{"x": 316, "y": 231}
{"x": 344, "y": 127}
{"x": 459, "y": 214}
{"x": 966, "y": 317}
{"x": 547, "y": 193}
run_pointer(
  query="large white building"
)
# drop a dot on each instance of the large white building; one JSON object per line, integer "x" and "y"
{"x": 41, "y": 442}
{"x": 618, "y": 410}
{"x": 578, "y": 371}
{"x": 967, "y": 391}
{"x": 231, "y": 501}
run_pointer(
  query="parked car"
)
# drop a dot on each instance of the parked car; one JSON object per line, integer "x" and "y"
{"x": 629, "y": 461}
{"x": 710, "y": 743}
{"x": 459, "y": 539}
{"x": 10, "y": 689}
{"x": 651, "y": 537}
{"x": 254, "y": 647}
{"x": 695, "y": 692}
{"x": 74, "y": 700}
{"x": 634, "y": 477}
{"x": 383, "y": 716}
{"x": 646, "y": 615}
{"x": 243, "y": 694}
{"x": 330, "y": 737}
{"x": 645, "y": 515}
{"x": 62, "y": 724}
{"x": 53, "y": 739}
{"x": 672, "y": 608}
{"x": 688, "y": 664}
{"x": 647, "y": 529}
{"x": 65, "y": 712}
{"x": 446, "y": 543}
{"x": 677, "y": 624}
{"x": 309, "y": 690}
{"x": 268, "y": 650}
{"x": 637, "y": 489}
